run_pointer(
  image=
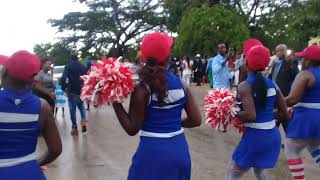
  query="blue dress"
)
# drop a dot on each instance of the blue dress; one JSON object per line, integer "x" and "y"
{"x": 305, "y": 122}
{"x": 163, "y": 152}
{"x": 261, "y": 141}
{"x": 19, "y": 131}
{"x": 61, "y": 99}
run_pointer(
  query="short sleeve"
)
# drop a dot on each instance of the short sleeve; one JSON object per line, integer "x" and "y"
{"x": 38, "y": 77}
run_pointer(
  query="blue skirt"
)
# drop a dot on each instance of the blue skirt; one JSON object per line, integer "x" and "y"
{"x": 258, "y": 149}
{"x": 161, "y": 159}
{"x": 305, "y": 124}
{"x": 26, "y": 171}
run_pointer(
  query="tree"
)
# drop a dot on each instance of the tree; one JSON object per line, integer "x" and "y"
{"x": 201, "y": 29}
{"x": 175, "y": 10}
{"x": 252, "y": 10}
{"x": 42, "y": 50}
{"x": 110, "y": 25}
{"x": 293, "y": 25}
{"x": 59, "y": 54}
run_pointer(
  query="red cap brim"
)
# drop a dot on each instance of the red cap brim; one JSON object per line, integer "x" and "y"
{"x": 299, "y": 54}
{"x": 3, "y": 60}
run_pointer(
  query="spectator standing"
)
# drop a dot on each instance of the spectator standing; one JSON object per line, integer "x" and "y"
{"x": 283, "y": 74}
{"x": 220, "y": 73}
{"x": 187, "y": 70}
{"x": 44, "y": 87}
{"x": 203, "y": 69}
{"x": 209, "y": 72}
{"x": 197, "y": 70}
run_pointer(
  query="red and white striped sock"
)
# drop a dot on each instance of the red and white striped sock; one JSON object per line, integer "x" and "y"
{"x": 296, "y": 168}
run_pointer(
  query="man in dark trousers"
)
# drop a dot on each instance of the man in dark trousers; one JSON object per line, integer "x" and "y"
{"x": 71, "y": 84}
{"x": 197, "y": 68}
{"x": 283, "y": 73}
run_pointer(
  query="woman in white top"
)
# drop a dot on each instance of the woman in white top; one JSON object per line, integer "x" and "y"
{"x": 187, "y": 70}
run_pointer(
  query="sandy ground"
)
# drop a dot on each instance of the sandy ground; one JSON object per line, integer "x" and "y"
{"x": 105, "y": 151}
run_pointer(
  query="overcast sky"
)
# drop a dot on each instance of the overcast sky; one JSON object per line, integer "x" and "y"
{"x": 23, "y": 23}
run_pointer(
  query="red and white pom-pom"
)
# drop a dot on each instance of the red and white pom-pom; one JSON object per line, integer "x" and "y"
{"x": 220, "y": 108}
{"x": 107, "y": 82}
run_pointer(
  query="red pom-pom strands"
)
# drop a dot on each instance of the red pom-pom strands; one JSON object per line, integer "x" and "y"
{"x": 107, "y": 82}
{"x": 220, "y": 108}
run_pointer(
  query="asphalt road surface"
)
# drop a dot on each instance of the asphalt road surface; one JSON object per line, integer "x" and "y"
{"x": 105, "y": 151}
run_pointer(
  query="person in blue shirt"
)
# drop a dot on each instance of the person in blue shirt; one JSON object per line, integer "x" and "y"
{"x": 71, "y": 84}
{"x": 220, "y": 73}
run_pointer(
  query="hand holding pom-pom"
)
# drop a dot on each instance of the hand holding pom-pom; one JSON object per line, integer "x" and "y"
{"x": 221, "y": 109}
{"x": 108, "y": 81}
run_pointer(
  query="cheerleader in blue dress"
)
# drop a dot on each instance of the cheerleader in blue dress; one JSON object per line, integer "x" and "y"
{"x": 155, "y": 110}
{"x": 304, "y": 128}
{"x": 260, "y": 144}
{"x": 23, "y": 117}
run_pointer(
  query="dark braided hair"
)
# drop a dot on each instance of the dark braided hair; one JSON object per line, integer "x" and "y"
{"x": 260, "y": 89}
{"x": 154, "y": 75}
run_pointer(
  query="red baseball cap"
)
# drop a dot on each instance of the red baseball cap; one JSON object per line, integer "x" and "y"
{"x": 156, "y": 45}
{"x": 312, "y": 53}
{"x": 258, "y": 58}
{"x": 23, "y": 66}
{"x": 3, "y": 59}
{"x": 250, "y": 43}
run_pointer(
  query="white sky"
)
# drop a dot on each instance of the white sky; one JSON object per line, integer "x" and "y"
{"x": 23, "y": 23}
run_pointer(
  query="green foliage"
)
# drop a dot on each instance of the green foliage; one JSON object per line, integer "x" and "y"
{"x": 42, "y": 50}
{"x": 293, "y": 25}
{"x": 177, "y": 8}
{"x": 109, "y": 25}
{"x": 202, "y": 29}
{"x": 249, "y": 9}
{"x": 57, "y": 52}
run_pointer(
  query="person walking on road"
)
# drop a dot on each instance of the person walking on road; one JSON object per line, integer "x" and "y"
{"x": 155, "y": 110}
{"x": 23, "y": 117}
{"x": 260, "y": 144}
{"x": 71, "y": 84}
{"x": 304, "y": 129}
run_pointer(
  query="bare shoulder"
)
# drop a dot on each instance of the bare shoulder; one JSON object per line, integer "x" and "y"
{"x": 244, "y": 88}
{"x": 306, "y": 76}
{"x": 305, "y": 73}
{"x": 44, "y": 105}
{"x": 141, "y": 88}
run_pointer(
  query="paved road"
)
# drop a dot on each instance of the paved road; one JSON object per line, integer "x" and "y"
{"x": 105, "y": 152}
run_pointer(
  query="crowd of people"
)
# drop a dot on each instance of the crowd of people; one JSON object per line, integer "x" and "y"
{"x": 266, "y": 87}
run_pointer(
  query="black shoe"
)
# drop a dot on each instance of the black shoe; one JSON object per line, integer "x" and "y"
{"x": 84, "y": 129}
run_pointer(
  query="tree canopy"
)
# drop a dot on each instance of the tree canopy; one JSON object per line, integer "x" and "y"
{"x": 59, "y": 54}
{"x": 110, "y": 26}
{"x": 201, "y": 29}
{"x": 115, "y": 27}
{"x": 292, "y": 22}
